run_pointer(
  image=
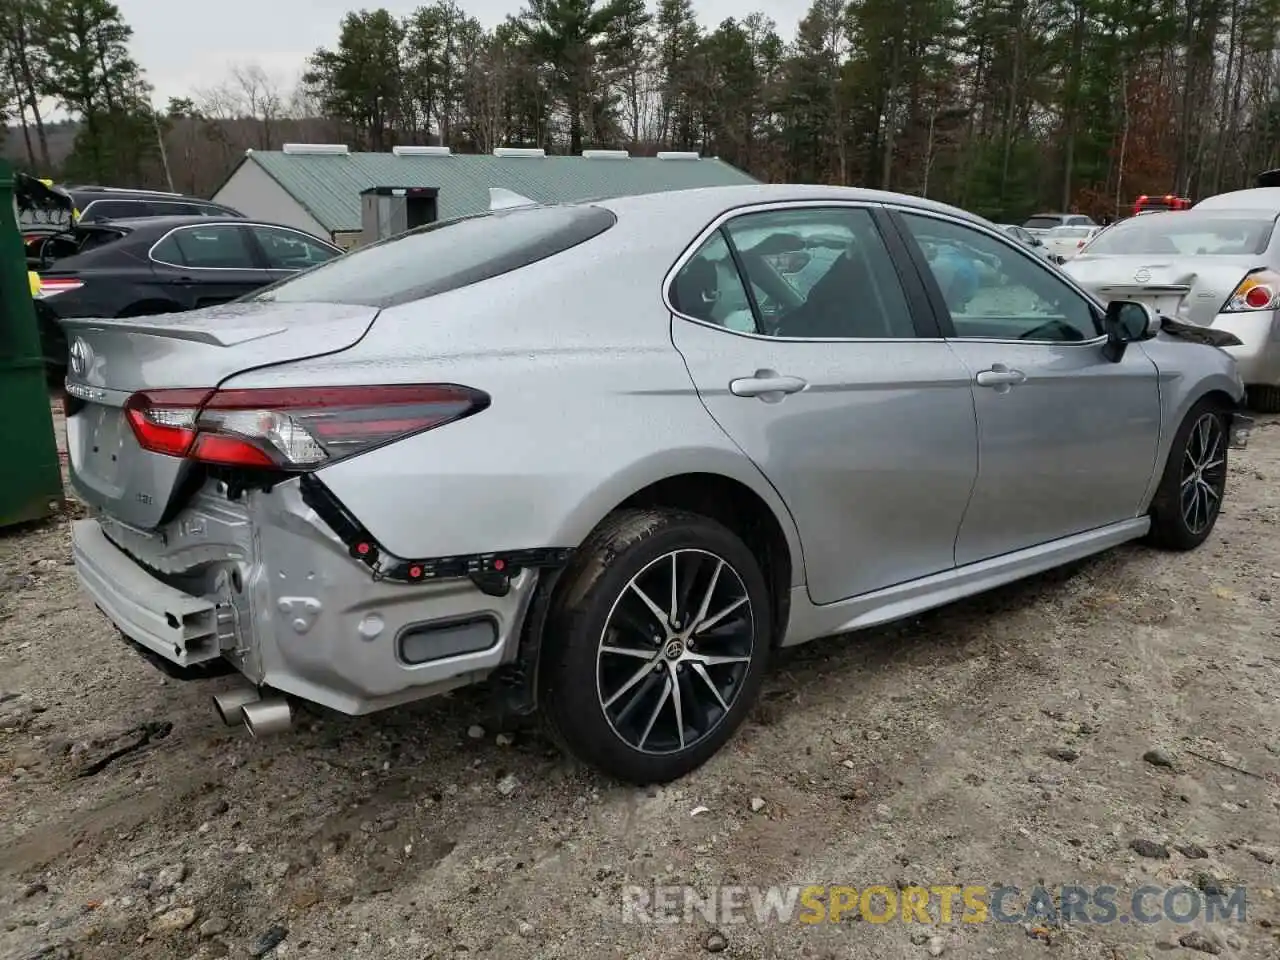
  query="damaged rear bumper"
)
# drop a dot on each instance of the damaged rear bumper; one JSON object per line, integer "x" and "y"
{"x": 266, "y": 584}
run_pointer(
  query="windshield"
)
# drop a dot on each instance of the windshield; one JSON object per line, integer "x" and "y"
{"x": 1185, "y": 234}
{"x": 442, "y": 256}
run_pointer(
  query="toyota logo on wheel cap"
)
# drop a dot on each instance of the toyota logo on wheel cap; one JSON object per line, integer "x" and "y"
{"x": 81, "y": 356}
{"x": 1142, "y": 276}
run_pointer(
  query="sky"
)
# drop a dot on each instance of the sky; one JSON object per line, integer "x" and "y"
{"x": 183, "y": 54}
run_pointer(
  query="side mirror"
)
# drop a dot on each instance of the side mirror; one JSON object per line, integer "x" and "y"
{"x": 1125, "y": 322}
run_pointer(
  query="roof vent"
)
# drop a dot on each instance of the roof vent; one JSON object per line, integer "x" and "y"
{"x": 679, "y": 155}
{"x": 605, "y": 155}
{"x": 409, "y": 151}
{"x": 316, "y": 149}
{"x": 519, "y": 152}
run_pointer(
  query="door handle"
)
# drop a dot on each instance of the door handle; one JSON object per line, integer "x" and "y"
{"x": 1000, "y": 376}
{"x": 768, "y": 385}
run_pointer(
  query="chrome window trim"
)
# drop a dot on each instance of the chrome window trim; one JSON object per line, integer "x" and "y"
{"x": 769, "y": 207}
{"x": 237, "y": 224}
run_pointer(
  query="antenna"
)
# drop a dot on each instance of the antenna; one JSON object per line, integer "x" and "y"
{"x": 502, "y": 199}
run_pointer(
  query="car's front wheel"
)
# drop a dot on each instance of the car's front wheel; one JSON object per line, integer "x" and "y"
{"x": 1186, "y": 505}
{"x": 658, "y": 644}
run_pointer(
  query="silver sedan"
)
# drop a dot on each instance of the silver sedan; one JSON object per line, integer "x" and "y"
{"x": 610, "y": 455}
{"x": 1217, "y": 265}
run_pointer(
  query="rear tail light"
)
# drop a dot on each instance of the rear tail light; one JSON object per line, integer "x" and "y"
{"x": 1259, "y": 290}
{"x": 52, "y": 286}
{"x": 292, "y": 429}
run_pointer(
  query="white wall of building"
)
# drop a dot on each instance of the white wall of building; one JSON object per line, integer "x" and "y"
{"x": 255, "y": 194}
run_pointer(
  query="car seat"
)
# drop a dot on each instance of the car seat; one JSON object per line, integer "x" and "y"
{"x": 842, "y": 304}
{"x": 697, "y": 290}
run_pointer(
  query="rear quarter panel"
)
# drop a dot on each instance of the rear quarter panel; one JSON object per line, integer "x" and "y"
{"x": 590, "y": 404}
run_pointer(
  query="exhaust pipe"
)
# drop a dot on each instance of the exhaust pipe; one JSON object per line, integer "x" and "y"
{"x": 230, "y": 704}
{"x": 265, "y": 717}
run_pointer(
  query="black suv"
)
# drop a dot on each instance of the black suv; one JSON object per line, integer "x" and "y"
{"x": 47, "y": 212}
{"x": 96, "y": 204}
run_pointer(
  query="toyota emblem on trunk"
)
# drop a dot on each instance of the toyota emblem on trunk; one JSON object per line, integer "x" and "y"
{"x": 1142, "y": 276}
{"x": 80, "y": 357}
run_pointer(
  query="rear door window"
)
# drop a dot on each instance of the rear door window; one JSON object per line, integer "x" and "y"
{"x": 215, "y": 247}
{"x": 173, "y": 208}
{"x": 290, "y": 249}
{"x": 116, "y": 210}
{"x": 443, "y": 256}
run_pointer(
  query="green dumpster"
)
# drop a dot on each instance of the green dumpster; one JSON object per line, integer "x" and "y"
{"x": 30, "y": 478}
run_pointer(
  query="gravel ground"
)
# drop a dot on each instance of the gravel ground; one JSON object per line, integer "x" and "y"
{"x": 996, "y": 741}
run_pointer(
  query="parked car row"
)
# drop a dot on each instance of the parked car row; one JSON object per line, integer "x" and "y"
{"x": 114, "y": 253}
{"x": 754, "y": 416}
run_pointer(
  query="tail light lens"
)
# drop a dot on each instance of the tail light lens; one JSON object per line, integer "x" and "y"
{"x": 1259, "y": 290}
{"x": 292, "y": 429}
{"x": 52, "y": 286}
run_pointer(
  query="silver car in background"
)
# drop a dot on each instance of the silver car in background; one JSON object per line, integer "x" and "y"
{"x": 1066, "y": 243}
{"x": 610, "y": 455}
{"x": 1026, "y": 238}
{"x": 1213, "y": 266}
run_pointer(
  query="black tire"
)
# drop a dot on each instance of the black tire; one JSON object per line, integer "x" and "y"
{"x": 630, "y": 732}
{"x": 1263, "y": 398}
{"x": 1186, "y": 504}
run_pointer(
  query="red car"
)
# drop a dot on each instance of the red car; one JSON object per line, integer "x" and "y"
{"x": 1146, "y": 204}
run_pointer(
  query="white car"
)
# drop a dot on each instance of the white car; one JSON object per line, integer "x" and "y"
{"x": 1063, "y": 243}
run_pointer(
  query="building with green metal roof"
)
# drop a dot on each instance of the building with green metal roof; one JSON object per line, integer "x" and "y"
{"x": 318, "y": 187}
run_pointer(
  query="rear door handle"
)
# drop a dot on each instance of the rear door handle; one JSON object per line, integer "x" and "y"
{"x": 767, "y": 385}
{"x": 1000, "y": 376}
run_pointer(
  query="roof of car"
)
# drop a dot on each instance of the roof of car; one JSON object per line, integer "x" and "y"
{"x": 135, "y": 224}
{"x": 709, "y": 202}
{"x": 1218, "y": 213}
{"x": 1261, "y": 199}
{"x": 128, "y": 193}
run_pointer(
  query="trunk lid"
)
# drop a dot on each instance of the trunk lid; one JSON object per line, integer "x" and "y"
{"x": 112, "y": 359}
{"x": 1191, "y": 288}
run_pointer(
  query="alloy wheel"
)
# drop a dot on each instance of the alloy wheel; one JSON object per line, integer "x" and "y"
{"x": 1204, "y": 473}
{"x": 674, "y": 651}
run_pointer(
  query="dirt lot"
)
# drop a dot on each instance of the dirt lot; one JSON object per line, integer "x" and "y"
{"x": 998, "y": 741}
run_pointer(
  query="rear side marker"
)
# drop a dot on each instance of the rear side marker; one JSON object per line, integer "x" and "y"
{"x": 491, "y": 572}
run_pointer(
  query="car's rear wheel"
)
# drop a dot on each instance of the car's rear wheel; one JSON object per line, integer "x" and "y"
{"x": 1264, "y": 398}
{"x": 657, "y": 646}
{"x": 1186, "y": 505}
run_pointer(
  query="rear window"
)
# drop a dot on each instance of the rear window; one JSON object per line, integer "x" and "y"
{"x": 1185, "y": 233}
{"x": 1043, "y": 223}
{"x": 443, "y": 256}
{"x": 92, "y": 239}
